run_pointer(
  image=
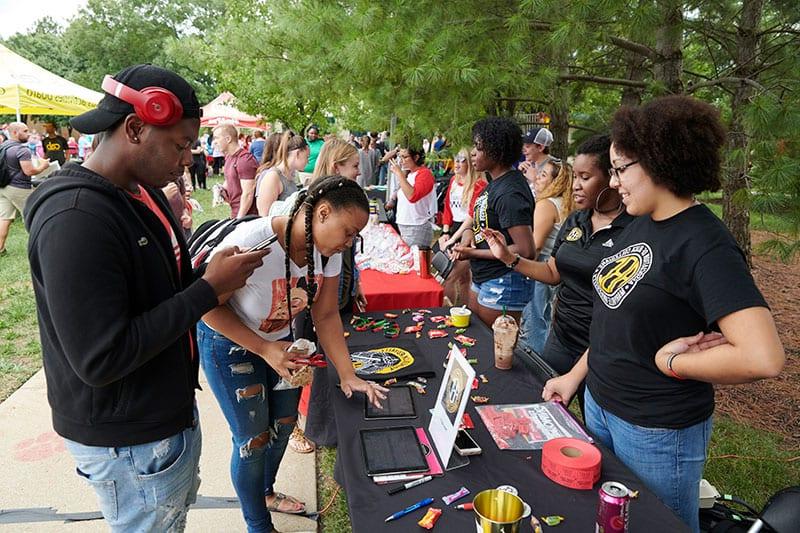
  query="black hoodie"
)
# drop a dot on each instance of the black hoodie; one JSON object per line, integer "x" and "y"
{"x": 116, "y": 317}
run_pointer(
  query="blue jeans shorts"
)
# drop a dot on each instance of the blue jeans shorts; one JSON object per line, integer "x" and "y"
{"x": 511, "y": 290}
{"x": 669, "y": 461}
{"x": 146, "y": 487}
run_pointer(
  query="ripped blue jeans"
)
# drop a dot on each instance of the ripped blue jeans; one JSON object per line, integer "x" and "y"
{"x": 242, "y": 382}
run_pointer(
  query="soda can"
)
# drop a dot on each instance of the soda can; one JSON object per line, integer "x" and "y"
{"x": 510, "y": 489}
{"x": 612, "y": 509}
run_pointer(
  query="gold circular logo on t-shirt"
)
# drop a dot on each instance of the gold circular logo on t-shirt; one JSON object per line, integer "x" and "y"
{"x": 574, "y": 234}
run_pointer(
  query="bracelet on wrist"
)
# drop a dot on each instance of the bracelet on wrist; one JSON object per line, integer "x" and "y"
{"x": 513, "y": 264}
{"x": 670, "y": 358}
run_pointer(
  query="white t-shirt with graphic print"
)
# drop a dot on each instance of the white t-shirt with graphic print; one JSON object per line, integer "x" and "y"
{"x": 261, "y": 303}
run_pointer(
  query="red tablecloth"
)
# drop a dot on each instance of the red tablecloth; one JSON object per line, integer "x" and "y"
{"x": 399, "y": 291}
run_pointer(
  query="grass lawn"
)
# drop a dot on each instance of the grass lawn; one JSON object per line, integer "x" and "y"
{"x": 742, "y": 461}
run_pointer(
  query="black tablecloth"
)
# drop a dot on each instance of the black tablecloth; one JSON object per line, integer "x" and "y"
{"x": 369, "y": 504}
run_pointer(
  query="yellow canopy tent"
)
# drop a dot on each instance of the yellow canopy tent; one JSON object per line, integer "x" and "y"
{"x": 27, "y": 88}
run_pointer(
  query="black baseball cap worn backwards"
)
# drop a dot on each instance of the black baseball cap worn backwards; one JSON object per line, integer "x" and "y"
{"x": 112, "y": 109}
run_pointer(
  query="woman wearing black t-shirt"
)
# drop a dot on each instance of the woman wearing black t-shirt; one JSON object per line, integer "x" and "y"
{"x": 506, "y": 205}
{"x": 672, "y": 281}
{"x": 581, "y": 243}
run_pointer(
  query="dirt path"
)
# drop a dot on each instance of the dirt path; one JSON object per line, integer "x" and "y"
{"x": 773, "y": 404}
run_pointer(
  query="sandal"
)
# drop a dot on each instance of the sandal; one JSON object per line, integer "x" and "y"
{"x": 299, "y": 443}
{"x": 287, "y": 501}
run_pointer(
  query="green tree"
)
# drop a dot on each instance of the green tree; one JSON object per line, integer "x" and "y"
{"x": 108, "y": 35}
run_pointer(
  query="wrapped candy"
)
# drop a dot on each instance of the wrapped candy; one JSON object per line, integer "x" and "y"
{"x": 430, "y": 518}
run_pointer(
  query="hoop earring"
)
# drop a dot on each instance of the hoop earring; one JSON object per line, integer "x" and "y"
{"x": 597, "y": 203}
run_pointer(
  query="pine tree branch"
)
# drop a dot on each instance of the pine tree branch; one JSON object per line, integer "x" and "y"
{"x": 636, "y": 48}
{"x": 721, "y": 81}
{"x": 604, "y": 81}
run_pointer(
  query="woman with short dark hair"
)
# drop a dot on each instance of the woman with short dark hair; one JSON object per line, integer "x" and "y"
{"x": 506, "y": 205}
{"x": 676, "y": 309}
{"x": 415, "y": 201}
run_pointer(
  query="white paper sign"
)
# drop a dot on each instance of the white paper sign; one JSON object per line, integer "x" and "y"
{"x": 450, "y": 404}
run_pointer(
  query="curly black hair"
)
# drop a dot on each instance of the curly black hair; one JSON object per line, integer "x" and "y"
{"x": 500, "y": 139}
{"x": 677, "y": 140}
{"x": 340, "y": 193}
{"x": 598, "y": 146}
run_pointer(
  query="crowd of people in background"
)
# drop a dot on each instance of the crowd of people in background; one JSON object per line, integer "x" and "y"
{"x": 654, "y": 300}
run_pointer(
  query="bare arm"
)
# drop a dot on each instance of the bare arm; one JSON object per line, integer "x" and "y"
{"x": 402, "y": 179}
{"x": 750, "y": 350}
{"x": 225, "y": 321}
{"x": 544, "y": 272}
{"x": 29, "y": 169}
{"x": 328, "y": 323}
{"x": 563, "y": 388}
{"x": 268, "y": 191}
{"x": 545, "y": 217}
{"x": 248, "y": 193}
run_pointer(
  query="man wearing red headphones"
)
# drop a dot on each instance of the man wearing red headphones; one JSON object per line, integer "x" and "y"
{"x": 117, "y": 302}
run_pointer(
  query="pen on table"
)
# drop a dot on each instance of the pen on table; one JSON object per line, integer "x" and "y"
{"x": 409, "y": 485}
{"x": 409, "y": 509}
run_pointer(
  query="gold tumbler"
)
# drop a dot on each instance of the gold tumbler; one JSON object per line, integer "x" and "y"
{"x": 497, "y": 511}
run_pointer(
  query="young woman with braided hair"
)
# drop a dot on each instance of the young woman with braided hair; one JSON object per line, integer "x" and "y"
{"x": 243, "y": 343}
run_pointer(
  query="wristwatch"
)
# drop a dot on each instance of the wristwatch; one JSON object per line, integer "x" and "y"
{"x": 514, "y": 263}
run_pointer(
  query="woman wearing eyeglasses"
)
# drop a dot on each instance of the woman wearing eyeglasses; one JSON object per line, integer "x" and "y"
{"x": 415, "y": 200}
{"x": 465, "y": 185}
{"x": 676, "y": 307}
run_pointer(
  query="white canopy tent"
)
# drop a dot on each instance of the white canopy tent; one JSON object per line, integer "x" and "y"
{"x": 27, "y": 88}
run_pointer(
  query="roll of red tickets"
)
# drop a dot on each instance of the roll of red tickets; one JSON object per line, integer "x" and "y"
{"x": 572, "y": 463}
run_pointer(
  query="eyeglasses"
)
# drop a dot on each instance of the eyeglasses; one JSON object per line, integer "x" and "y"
{"x": 617, "y": 171}
{"x": 460, "y": 159}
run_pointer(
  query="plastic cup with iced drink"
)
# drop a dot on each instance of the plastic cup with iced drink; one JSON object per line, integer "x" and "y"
{"x": 505, "y": 337}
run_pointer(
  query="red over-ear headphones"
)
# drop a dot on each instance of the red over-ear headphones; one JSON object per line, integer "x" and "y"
{"x": 154, "y": 105}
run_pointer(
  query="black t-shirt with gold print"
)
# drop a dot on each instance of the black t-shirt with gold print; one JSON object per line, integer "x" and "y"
{"x": 662, "y": 280}
{"x": 577, "y": 250}
{"x": 506, "y": 202}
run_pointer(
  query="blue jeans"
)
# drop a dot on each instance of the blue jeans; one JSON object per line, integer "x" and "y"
{"x": 510, "y": 291}
{"x": 382, "y": 171}
{"x": 146, "y": 487}
{"x": 669, "y": 461}
{"x": 537, "y": 316}
{"x": 242, "y": 382}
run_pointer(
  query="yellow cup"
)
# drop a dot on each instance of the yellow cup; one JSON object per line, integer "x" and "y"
{"x": 498, "y": 511}
{"x": 459, "y": 316}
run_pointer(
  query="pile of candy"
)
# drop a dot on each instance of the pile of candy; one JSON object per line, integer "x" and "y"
{"x": 390, "y": 329}
{"x": 384, "y": 251}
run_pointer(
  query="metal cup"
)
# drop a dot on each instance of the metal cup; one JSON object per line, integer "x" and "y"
{"x": 498, "y": 511}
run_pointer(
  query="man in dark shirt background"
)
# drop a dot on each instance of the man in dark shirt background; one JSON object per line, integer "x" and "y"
{"x": 54, "y": 145}
{"x": 14, "y": 195}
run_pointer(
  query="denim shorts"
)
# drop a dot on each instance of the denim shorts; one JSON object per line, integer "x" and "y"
{"x": 511, "y": 291}
{"x": 146, "y": 487}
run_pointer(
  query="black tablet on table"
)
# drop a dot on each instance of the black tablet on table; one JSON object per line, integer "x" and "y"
{"x": 399, "y": 404}
{"x": 394, "y": 450}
